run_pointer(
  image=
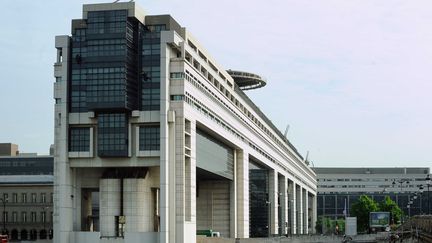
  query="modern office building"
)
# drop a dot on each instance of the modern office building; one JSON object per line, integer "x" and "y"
{"x": 165, "y": 138}
{"x": 26, "y": 197}
{"x": 341, "y": 187}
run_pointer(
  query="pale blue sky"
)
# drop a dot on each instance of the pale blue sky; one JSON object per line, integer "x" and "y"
{"x": 351, "y": 78}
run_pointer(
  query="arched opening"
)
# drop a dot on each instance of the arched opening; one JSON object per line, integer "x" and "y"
{"x": 33, "y": 234}
{"x": 24, "y": 234}
{"x": 42, "y": 234}
{"x": 14, "y": 234}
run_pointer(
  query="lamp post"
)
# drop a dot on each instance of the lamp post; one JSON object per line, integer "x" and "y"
{"x": 4, "y": 201}
{"x": 401, "y": 181}
{"x": 428, "y": 184}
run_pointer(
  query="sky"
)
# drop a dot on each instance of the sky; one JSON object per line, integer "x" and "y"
{"x": 352, "y": 78}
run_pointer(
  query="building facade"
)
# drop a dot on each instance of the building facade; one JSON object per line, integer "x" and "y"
{"x": 152, "y": 132}
{"x": 26, "y": 197}
{"x": 339, "y": 188}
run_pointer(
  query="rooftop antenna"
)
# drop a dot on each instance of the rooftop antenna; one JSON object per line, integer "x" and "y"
{"x": 286, "y": 131}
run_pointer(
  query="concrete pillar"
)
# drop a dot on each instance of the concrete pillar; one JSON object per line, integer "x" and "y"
{"x": 273, "y": 201}
{"x": 305, "y": 211}
{"x": 299, "y": 209}
{"x": 138, "y": 205}
{"x": 283, "y": 193}
{"x": 314, "y": 213}
{"x": 109, "y": 205}
{"x": 293, "y": 208}
{"x": 63, "y": 183}
{"x": 233, "y": 200}
{"x": 242, "y": 184}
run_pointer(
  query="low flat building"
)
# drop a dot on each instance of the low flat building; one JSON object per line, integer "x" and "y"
{"x": 340, "y": 187}
{"x": 26, "y": 197}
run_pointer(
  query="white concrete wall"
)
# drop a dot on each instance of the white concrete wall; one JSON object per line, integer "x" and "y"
{"x": 138, "y": 205}
{"x": 109, "y": 197}
{"x": 213, "y": 206}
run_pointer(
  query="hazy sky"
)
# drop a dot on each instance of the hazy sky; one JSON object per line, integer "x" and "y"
{"x": 351, "y": 78}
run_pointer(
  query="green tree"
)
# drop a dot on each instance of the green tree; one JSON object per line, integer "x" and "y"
{"x": 388, "y": 205}
{"x": 361, "y": 209}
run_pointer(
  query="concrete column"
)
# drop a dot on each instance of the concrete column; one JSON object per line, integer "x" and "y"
{"x": 314, "y": 213}
{"x": 242, "y": 184}
{"x": 138, "y": 205}
{"x": 299, "y": 207}
{"x": 167, "y": 154}
{"x": 273, "y": 201}
{"x": 283, "y": 192}
{"x": 233, "y": 200}
{"x": 109, "y": 198}
{"x": 293, "y": 208}
{"x": 305, "y": 211}
{"x": 63, "y": 183}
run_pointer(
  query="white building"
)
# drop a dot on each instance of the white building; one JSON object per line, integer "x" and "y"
{"x": 159, "y": 137}
{"x": 340, "y": 187}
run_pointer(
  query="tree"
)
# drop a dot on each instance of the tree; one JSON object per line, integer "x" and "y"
{"x": 361, "y": 209}
{"x": 388, "y": 205}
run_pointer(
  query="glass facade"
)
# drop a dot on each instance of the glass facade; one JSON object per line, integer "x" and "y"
{"x": 214, "y": 156}
{"x": 112, "y": 135}
{"x": 149, "y": 137}
{"x": 79, "y": 139}
{"x": 258, "y": 201}
{"x": 150, "y": 75}
{"x": 332, "y": 205}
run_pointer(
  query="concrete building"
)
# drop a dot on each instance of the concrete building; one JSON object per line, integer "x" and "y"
{"x": 165, "y": 139}
{"x": 339, "y": 188}
{"x": 26, "y": 197}
{"x": 8, "y": 149}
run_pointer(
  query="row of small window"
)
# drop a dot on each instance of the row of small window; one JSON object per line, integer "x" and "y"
{"x": 23, "y": 198}
{"x": 281, "y": 141}
{"x": 106, "y": 27}
{"x": 107, "y": 13}
{"x": 24, "y": 218}
{"x": 98, "y": 70}
{"x": 106, "y": 47}
{"x": 79, "y": 139}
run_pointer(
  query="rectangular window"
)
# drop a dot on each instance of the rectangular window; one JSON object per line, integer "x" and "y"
{"x": 24, "y": 198}
{"x": 43, "y": 217}
{"x": 43, "y": 198}
{"x": 33, "y": 217}
{"x": 5, "y": 196}
{"x": 33, "y": 198}
{"x": 178, "y": 75}
{"x": 177, "y": 97}
{"x": 15, "y": 197}
{"x": 112, "y": 135}
{"x": 14, "y": 217}
{"x": 149, "y": 137}
{"x": 24, "y": 217}
{"x": 79, "y": 139}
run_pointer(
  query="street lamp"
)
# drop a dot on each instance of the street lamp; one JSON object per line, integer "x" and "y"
{"x": 4, "y": 201}
{"x": 401, "y": 181}
{"x": 428, "y": 184}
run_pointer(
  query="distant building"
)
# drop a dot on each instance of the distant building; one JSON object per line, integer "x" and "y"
{"x": 339, "y": 188}
{"x": 8, "y": 149}
{"x": 26, "y": 194}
